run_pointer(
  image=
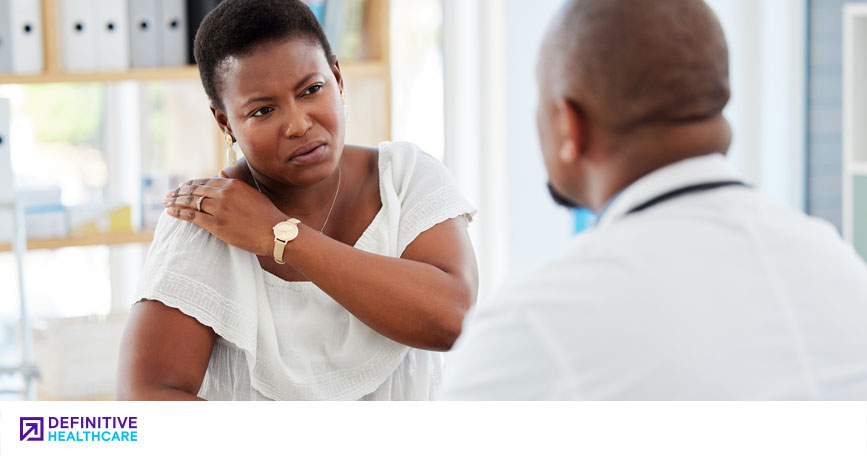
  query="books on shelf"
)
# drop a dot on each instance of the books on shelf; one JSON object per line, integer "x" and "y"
{"x": 25, "y": 20}
{"x": 21, "y": 36}
{"x": 158, "y": 33}
{"x": 196, "y": 11}
{"x": 342, "y": 21}
{"x": 144, "y": 42}
{"x": 154, "y": 186}
{"x": 76, "y": 24}
{"x": 97, "y": 218}
{"x": 172, "y": 32}
{"x": 5, "y": 38}
{"x": 6, "y": 189}
{"x": 114, "y": 35}
{"x": 45, "y": 217}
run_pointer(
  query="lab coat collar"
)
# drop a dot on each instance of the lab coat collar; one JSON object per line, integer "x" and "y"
{"x": 691, "y": 171}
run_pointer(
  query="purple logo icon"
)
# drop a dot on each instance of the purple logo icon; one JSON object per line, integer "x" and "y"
{"x": 31, "y": 428}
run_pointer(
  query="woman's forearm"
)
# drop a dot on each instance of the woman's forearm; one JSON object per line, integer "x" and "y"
{"x": 411, "y": 302}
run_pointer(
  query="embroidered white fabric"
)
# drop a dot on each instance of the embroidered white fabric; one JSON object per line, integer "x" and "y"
{"x": 289, "y": 340}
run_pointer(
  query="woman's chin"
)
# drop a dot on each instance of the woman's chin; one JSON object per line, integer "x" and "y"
{"x": 311, "y": 174}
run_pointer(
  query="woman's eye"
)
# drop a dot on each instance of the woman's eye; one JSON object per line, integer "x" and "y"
{"x": 313, "y": 89}
{"x": 262, "y": 111}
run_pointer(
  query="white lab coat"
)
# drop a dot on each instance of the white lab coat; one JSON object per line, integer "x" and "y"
{"x": 721, "y": 294}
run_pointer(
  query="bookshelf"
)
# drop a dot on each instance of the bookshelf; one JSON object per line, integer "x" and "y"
{"x": 854, "y": 120}
{"x": 145, "y": 74}
{"x": 140, "y": 237}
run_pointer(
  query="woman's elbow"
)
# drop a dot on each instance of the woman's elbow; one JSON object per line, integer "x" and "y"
{"x": 451, "y": 327}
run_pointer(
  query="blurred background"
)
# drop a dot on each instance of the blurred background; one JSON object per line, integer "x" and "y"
{"x": 104, "y": 112}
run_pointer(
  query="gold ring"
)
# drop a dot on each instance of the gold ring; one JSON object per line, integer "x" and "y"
{"x": 199, "y": 203}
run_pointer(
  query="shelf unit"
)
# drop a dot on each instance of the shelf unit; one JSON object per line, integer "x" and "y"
{"x": 135, "y": 74}
{"x": 854, "y": 122}
{"x": 859, "y": 169}
{"x": 367, "y": 83}
{"x": 143, "y": 237}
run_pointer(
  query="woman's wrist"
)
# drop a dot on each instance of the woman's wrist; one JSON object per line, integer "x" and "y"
{"x": 267, "y": 238}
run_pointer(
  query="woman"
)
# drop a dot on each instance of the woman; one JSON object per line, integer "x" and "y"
{"x": 311, "y": 269}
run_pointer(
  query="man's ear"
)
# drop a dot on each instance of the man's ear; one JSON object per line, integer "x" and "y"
{"x": 222, "y": 120}
{"x": 571, "y": 129}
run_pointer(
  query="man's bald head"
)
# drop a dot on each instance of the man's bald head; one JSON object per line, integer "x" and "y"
{"x": 633, "y": 63}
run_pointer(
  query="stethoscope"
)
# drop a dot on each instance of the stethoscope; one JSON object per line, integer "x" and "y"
{"x": 684, "y": 191}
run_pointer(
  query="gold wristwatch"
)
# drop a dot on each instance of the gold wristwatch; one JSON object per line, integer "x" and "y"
{"x": 283, "y": 233}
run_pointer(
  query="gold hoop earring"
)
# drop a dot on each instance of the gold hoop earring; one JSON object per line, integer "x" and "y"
{"x": 231, "y": 156}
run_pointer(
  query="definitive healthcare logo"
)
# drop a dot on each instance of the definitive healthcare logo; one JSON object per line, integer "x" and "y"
{"x": 79, "y": 429}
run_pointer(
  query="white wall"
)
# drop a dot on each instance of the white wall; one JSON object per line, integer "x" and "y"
{"x": 767, "y": 53}
{"x": 490, "y": 49}
{"x": 539, "y": 228}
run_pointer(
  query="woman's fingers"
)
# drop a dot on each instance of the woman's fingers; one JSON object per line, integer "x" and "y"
{"x": 188, "y": 188}
{"x": 196, "y": 202}
{"x": 195, "y": 189}
{"x": 201, "y": 219}
{"x": 181, "y": 201}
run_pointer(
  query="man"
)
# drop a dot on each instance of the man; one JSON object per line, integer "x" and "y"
{"x": 692, "y": 285}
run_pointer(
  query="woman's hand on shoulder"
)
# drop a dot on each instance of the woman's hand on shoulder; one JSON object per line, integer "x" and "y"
{"x": 229, "y": 209}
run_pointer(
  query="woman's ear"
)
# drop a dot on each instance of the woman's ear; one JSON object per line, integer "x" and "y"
{"x": 222, "y": 120}
{"x": 335, "y": 69}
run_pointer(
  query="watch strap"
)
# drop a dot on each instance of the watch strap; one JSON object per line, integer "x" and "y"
{"x": 280, "y": 244}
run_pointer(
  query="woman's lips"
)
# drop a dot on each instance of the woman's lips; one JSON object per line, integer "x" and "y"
{"x": 313, "y": 156}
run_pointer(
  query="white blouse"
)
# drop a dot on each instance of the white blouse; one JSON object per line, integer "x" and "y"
{"x": 289, "y": 340}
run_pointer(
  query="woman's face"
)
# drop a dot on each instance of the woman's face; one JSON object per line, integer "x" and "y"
{"x": 283, "y": 106}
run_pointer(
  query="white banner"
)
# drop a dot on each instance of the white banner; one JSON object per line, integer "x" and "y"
{"x": 434, "y": 428}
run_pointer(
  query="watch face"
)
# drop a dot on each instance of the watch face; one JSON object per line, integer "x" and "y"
{"x": 285, "y": 231}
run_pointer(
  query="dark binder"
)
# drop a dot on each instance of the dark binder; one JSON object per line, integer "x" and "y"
{"x": 196, "y": 11}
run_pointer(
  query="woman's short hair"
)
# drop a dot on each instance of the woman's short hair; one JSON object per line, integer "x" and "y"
{"x": 236, "y": 27}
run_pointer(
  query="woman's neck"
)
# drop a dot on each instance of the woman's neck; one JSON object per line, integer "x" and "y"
{"x": 299, "y": 201}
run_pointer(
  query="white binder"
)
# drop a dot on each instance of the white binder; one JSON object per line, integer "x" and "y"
{"x": 144, "y": 43}
{"x": 6, "y": 191}
{"x": 5, "y": 38}
{"x": 112, "y": 35}
{"x": 173, "y": 28}
{"x": 77, "y": 35}
{"x": 25, "y": 18}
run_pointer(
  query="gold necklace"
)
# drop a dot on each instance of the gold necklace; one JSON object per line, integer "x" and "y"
{"x": 336, "y": 192}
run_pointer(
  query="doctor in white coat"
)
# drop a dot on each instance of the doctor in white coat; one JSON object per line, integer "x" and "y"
{"x": 692, "y": 285}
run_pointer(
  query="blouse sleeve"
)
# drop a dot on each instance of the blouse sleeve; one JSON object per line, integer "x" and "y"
{"x": 189, "y": 269}
{"x": 427, "y": 192}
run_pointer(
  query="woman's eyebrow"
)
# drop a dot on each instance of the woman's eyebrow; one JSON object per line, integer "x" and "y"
{"x": 305, "y": 79}
{"x": 297, "y": 86}
{"x": 256, "y": 100}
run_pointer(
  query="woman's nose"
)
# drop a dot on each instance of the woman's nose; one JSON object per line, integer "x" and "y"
{"x": 297, "y": 125}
